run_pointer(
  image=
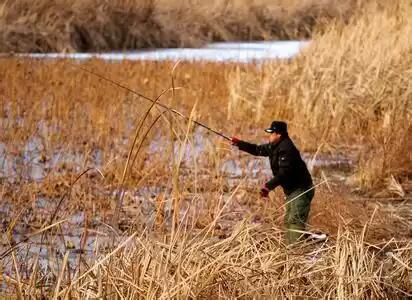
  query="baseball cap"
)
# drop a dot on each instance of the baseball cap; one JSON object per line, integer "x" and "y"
{"x": 278, "y": 127}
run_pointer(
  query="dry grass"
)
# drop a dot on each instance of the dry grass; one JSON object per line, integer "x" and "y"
{"x": 73, "y": 25}
{"x": 349, "y": 89}
{"x": 250, "y": 260}
{"x": 224, "y": 240}
{"x": 187, "y": 227}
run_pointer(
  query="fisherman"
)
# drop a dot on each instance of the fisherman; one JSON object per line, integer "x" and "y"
{"x": 289, "y": 172}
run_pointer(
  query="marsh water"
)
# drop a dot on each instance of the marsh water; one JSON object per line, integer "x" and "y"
{"x": 242, "y": 52}
{"x": 85, "y": 236}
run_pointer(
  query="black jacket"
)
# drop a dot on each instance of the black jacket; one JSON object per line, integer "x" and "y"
{"x": 288, "y": 168}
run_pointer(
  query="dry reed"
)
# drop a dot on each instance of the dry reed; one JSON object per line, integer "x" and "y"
{"x": 73, "y": 25}
{"x": 191, "y": 228}
{"x": 350, "y": 87}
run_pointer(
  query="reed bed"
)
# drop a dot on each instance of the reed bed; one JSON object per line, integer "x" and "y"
{"x": 249, "y": 261}
{"x": 73, "y": 25}
{"x": 174, "y": 193}
{"x": 195, "y": 234}
{"x": 104, "y": 195}
{"x": 348, "y": 88}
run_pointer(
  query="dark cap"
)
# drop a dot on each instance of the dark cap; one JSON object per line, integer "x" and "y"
{"x": 278, "y": 127}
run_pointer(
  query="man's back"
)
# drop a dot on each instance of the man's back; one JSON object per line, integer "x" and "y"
{"x": 287, "y": 162}
{"x": 289, "y": 172}
{"x": 288, "y": 168}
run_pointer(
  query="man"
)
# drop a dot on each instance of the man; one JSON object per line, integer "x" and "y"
{"x": 289, "y": 172}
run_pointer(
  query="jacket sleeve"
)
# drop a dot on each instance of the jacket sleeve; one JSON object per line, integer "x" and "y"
{"x": 257, "y": 150}
{"x": 286, "y": 161}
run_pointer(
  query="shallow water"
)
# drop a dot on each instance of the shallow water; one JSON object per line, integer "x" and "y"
{"x": 30, "y": 164}
{"x": 243, "y": 52}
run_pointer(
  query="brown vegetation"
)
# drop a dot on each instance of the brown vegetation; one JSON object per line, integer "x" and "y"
{"x": 348, "y": 90}
{"x": 187, "y": 226}
{"x": 73, "y": 113}
{"x": 77, "y": 25}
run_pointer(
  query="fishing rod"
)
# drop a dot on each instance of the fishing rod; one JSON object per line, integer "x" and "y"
{"x": 151, "y": 100}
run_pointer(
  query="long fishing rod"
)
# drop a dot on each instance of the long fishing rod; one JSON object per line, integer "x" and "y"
{"x": 151, "y": 100}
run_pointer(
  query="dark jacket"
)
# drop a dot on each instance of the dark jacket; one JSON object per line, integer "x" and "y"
{"x": 288, "y": 168}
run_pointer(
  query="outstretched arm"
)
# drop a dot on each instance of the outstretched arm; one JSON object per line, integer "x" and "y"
{"x": 257, "y": 150}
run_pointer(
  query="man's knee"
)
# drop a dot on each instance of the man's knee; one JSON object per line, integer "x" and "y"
{"x": 298, "y": 215}
{"x": 299, "y": 209}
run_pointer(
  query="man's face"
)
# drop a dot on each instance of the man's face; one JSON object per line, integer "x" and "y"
{"x": 274, "y": 137}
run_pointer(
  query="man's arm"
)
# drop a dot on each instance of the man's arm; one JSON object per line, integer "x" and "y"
{"x": 286, "y": 159}
{"x": 257, "y": 150}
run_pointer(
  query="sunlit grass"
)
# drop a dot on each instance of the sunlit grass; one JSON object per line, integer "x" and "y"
{"x": 186, "y": 227}
{"x": 348, "y": 90}
{"x": 74, "y": 25}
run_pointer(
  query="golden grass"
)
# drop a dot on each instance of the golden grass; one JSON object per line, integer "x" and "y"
{"x": 74, "y": 25}
{"x": 249, "y": 263}
{"x": 211, "y": 252}
{"x": 349, "y": 88}
{"x": 199, "y": 233}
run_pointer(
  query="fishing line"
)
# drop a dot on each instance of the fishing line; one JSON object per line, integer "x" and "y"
{"x": 149, "y": 99}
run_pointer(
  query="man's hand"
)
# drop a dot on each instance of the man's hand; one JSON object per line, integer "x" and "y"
{"x": 235, "y": 141}
{"x": 264, "y": 192}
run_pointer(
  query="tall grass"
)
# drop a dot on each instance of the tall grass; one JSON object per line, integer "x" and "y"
{"x": 226, "y": 242}
{"x": 186, "y": 228}
{"x": 251, "y": 261}
{"x": 350, "y": 87}
{"x": 73, "y": 25}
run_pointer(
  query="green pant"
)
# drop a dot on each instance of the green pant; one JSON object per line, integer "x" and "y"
{"x": 297, "y": 212}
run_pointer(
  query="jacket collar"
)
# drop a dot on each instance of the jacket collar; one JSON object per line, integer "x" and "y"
{"x": 283, "y": 137}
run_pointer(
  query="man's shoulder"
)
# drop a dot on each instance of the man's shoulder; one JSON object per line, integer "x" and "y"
{"x": 286, "y": 143}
